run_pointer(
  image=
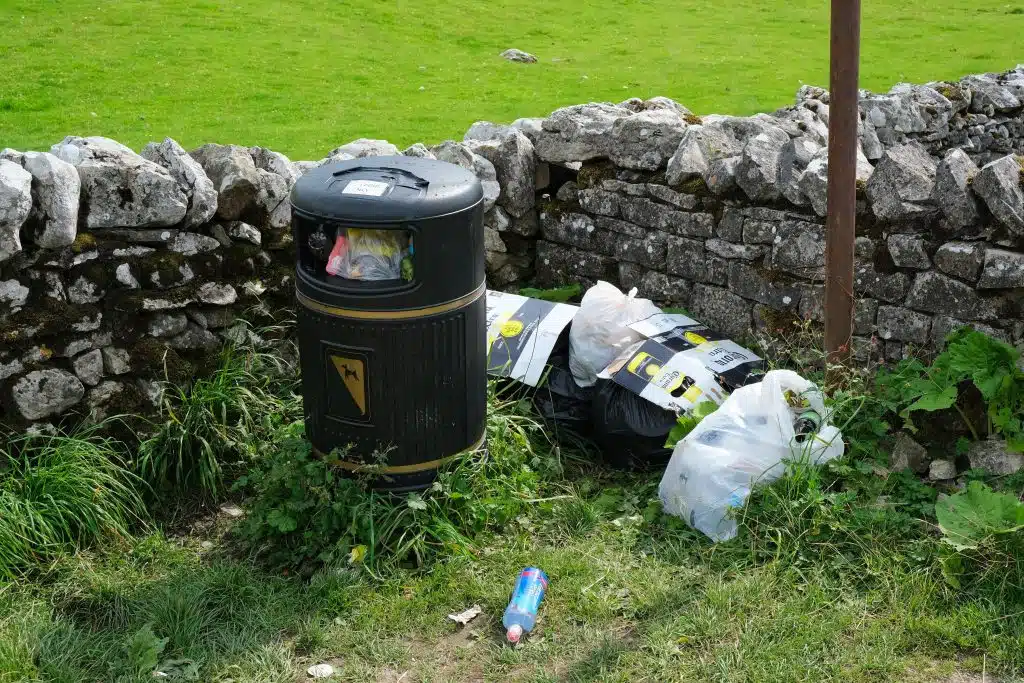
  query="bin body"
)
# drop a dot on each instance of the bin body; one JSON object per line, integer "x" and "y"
{"x": 394, "y": 370}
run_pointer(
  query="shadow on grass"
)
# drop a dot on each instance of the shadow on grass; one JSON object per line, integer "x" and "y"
{"x": 122, "y": 621}
{"x": 601, "y": 660}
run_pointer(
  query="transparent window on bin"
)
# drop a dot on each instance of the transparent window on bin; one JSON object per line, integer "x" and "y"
{"x": 364, "y": 254}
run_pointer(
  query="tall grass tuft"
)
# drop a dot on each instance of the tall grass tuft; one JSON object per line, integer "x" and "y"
{"x": 62, "y": 492}
{"x": 216, "y": 423}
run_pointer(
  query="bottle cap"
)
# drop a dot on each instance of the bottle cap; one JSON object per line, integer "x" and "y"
{"x": 514, "y": 633}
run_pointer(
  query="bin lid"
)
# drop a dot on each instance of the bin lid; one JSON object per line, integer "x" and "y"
{"x": 386, "y": 189}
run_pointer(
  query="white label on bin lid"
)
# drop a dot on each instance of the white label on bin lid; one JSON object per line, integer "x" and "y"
{"x": 366, "y": 188}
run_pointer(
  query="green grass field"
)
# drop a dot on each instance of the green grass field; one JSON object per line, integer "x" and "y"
{"x": 304, "y": 76}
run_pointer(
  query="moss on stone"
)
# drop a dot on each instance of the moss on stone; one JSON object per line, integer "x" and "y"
{"x": 773, "y": 275}
{"x": 236, "y": 261}
{"x": 776, "y": 321}
{"x": 132, "y": 407}
{"x": 951, "y": 92}
{"x": 44, "y": 318}
{"x": 695, "y": 186}
{"x": 861, "y": 191}
{"x": 278, "y": 240}
{"x": 167, "y": 266}
{"x": 552, "y": 207}
{"x": 96, "y": 271}
{"x": 124, "y": 402}
{"x": 160, "y": 361}
{"x": 83, "y": 242}
{"x": 692, "y": 119}
{"x": 591, "y": 174}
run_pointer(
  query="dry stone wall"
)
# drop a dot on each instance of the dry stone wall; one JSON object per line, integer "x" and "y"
{"x": 725, "y": 215}
{"x": 118, "y": 269}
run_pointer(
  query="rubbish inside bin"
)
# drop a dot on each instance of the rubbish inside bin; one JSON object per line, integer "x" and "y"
{"x": 339, "y": 252}
{"x": 406, "y": 266}
{"x": 601, "y": 329}
{"x": 746, "y": 441}
{"x": 371, "y": 255}
{"x": 320, "y": 244}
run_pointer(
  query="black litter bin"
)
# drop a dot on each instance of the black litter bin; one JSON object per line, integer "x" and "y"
{"x": 391, "y": 316}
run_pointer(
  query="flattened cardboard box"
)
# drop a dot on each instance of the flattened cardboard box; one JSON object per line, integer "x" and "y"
{"x": 680, "y": 363}
{"x": 671, "y": 380}
{"x": 733, "y": 364}
{"x": 521, "y": 333}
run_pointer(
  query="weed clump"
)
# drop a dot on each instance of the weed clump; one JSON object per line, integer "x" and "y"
{"x": 62, "y": 492}
{"x": 211, "y": 428}
{"x": 305, "y": 512}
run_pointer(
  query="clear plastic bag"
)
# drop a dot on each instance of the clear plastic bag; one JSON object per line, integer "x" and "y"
{"x": 744, "y": 442}
{"x": 368, "y": 254}
{"x": 600, "y": 330}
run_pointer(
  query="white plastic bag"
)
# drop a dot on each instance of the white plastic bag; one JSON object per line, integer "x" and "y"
{"x": 600, "y": 330}
{"x": 742, "y": 443}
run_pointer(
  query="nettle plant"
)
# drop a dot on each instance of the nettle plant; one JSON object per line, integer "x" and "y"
{"x": 971, "y": 358}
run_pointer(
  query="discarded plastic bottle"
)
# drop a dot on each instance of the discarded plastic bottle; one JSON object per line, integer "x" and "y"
{"x": 521, "y": 613}
{"x": 807, "y": 422}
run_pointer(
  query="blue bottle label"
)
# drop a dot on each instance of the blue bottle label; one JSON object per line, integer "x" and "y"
{"x": 530, "y": 587}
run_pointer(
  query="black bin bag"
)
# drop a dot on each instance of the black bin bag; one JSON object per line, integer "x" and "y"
{"x": 562, "y": 403}
{"x": 630, "y": 431}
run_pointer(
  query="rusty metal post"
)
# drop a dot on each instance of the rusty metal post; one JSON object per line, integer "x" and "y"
{"x": 842, "y": 178}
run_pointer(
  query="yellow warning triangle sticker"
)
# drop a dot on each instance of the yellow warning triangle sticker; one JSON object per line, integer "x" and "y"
{"x": 353, "y": 375}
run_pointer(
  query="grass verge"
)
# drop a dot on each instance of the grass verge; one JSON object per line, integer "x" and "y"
{"x": 303, "y": 513}
{"x": 838, "y": 573}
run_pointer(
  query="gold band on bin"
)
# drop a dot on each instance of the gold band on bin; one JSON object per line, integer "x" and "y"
{"x": 403, "y": 314}
{"x": 399, "y": 469}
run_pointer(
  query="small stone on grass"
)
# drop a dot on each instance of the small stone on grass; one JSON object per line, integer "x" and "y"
{"x": 514, "y": 55}
{"x": 232, "y": 510}
{"x": 320, "y": 671}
